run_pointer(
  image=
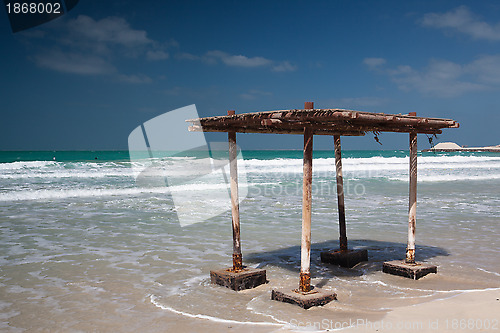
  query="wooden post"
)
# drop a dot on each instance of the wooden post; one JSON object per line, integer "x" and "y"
{"x": 412, "y": 210}
{"x": 235, "y": 206}
{"x": 305, "y": 258}
{"x": 236, "y": 278}
{"x": 340, "y": 194}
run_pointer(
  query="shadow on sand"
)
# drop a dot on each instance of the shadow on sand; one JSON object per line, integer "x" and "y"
{"x": 378, "y": 252}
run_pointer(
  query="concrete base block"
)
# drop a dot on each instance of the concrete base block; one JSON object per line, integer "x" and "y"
{"x": 412, "y": 271}
{"x": 349, "y": 258}
{"x": 247, "y": 278}
{"x": 315, "y": 297}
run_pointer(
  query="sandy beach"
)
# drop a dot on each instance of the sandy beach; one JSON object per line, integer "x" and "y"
{"x": 472, "y": 311}
{"x": 466, "y": 311}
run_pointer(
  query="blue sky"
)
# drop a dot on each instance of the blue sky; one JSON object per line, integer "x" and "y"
{"x": 88, "y": 78}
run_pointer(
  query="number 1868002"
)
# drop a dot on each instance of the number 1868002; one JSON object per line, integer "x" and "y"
{"x": 35, "y": 7}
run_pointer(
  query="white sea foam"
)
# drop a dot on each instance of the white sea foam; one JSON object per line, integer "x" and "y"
{"x": 46, "y": 194}
{"x": 154, "y": 301}
{"x": 254, "y": 310}
{"x": 449, "y": 178}
{"x": 494, "y": 273}
{"x": 392, "y": 167}
{"x": 69, "y": 174}
{"x": 377, "y": 163}
{"x": 26, "y": 165}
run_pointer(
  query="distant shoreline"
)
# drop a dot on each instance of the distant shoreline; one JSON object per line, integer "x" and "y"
{"x": 453, "y": 147}
{"x": 487, "y": 150}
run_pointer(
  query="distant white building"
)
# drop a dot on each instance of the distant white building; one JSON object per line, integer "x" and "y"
{"x": 446, "y": 145}
{"x": 451, "y": 146}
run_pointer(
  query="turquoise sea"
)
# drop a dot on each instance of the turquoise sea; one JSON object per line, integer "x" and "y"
{"x": 123, "y": 155}
{"x": 90, "y": 241}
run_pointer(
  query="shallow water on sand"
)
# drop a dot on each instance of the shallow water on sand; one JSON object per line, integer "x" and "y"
{"x": 83, "y": 248}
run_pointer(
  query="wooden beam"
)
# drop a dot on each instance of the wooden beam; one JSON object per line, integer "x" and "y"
{"x": 326, "y": 116}
{"x": 269, "y": 130}
{"x": 317, "y": 129}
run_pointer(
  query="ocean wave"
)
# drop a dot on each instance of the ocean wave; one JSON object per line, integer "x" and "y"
{"x": 66, "y": 174}
{"x": 375, "y": 163}
{"x": 394, "y": 168}
{"x": 449, "y": 177}
{"x": 26, "y": 165}
{"x": 47, "y": 194}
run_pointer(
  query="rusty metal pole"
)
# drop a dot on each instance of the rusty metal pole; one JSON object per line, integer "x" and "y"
{"x": 340, "y": 194}
{"x": 412, "y": 210}
{"x": 235, "y": 206}
{"x": 305, "y": 257}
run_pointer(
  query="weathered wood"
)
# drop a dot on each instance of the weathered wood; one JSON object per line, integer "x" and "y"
{"x": 327, "y": 114}
{"x": 412, "y": 209}
{"x": 318, "y": 129}
{"x": 305, "y": 259}
{"x": 354, "y": 118}
{"x": 404, "y": 121}
{"x": 235, "y": 206}
{"x": 272, "y": 130}
{"x": 322, "y": 121}
{"x": 340, "y": 193}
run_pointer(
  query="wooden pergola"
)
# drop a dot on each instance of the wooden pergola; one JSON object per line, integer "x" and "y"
{"x": 336, "y": 122}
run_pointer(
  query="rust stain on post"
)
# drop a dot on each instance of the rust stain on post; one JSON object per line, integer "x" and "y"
{"x": 305, "y": 259}
{"x": 309, "y": 105}
{"x": 305, "y": 282}
{"x": 340, "y": 193}
{"x": 235, "y": 206}
{"x": 412, "y": 210}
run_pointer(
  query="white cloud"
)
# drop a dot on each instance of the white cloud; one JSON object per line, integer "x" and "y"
{"x": 444, "y": 78}
{"x": 135, "y": 79}
{"x": 86, "y": 46}
{"x": 374, "y": 63}
{"x": 74, "y": 63}
{"x": 114, "y": 30}
{"x": 486, "y": 68}
{"x": 463, "y": 20}
{"x": 187, "y": 56}
{"x": 284, "y": 66}
{"x": 441, "y": 78}
{"x": 216, "y": 56}
{"x": 157, "y": 55}
{"x": 238, "y": 60}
